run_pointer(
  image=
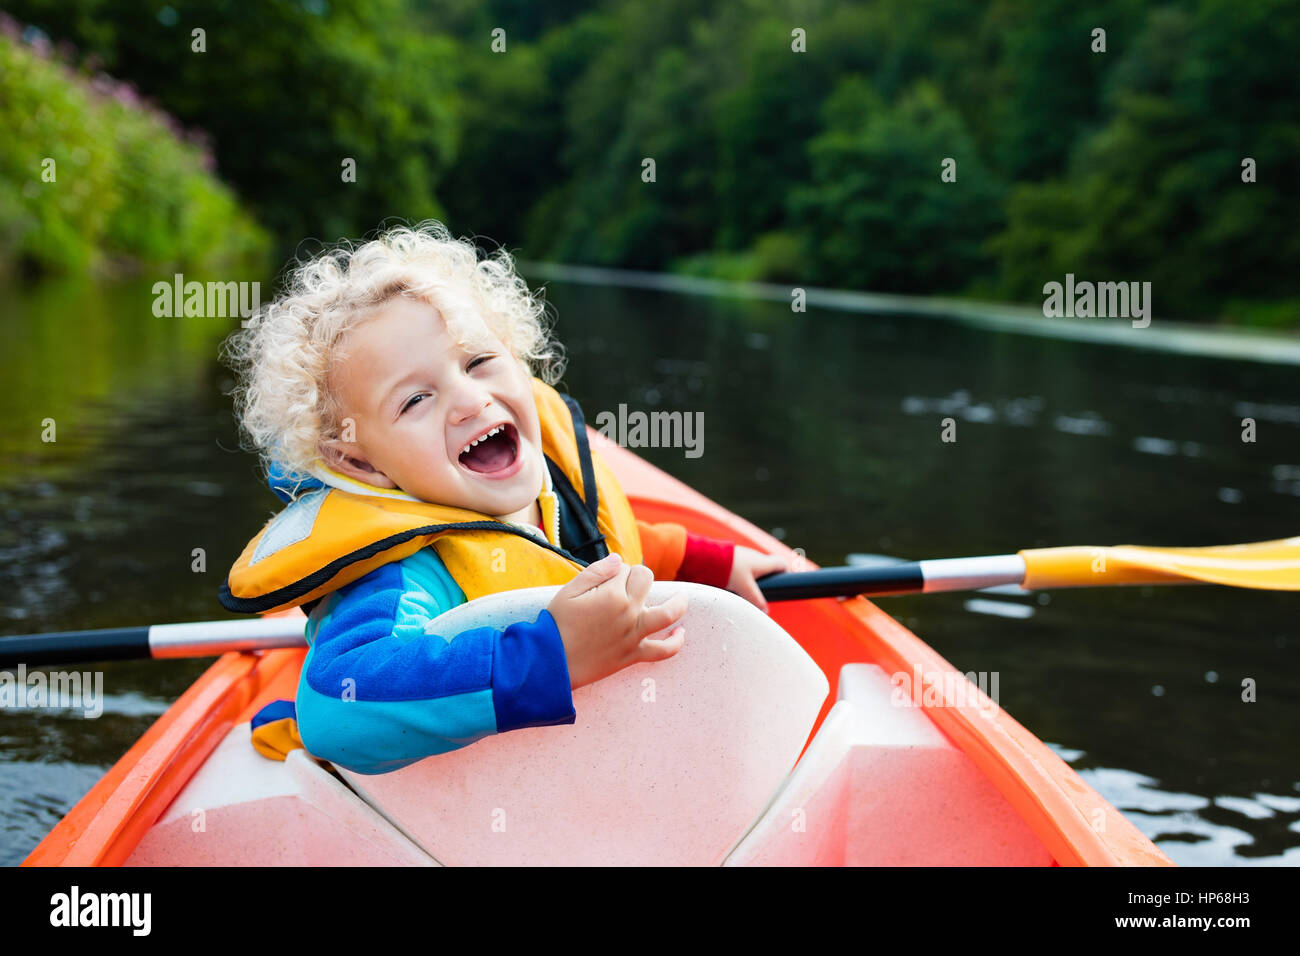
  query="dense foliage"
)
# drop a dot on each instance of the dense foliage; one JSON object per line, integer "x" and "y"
{"x": 91, "y": 177}
{"x": 286, "y": 93}
{"x": 822, "y": 167}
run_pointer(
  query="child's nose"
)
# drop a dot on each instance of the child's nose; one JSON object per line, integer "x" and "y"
{"x": 469, "y": 401}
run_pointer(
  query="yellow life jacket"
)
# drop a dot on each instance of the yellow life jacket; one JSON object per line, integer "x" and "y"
{"x": 329, "y": 538}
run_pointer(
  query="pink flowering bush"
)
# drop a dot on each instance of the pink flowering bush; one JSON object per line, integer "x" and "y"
{"x": 92, "y": 176}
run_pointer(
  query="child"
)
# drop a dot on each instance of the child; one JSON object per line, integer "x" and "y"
{"x": 392, "y": 392}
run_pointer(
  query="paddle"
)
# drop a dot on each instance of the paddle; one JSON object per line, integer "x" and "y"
{"x": 159, "y": 641}
{"x": 1265, "y": 565}
{"x": 1268, "y": 565}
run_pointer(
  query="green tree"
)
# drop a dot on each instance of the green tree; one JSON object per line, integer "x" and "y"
{"x": 878, "y": 215}
{"x": 287, "y": 91}
{"x": 523, "y": 20}
{"x": 630, "y": 103}
{"x": 1157, "y": 194}
{"x": 1046, "y": 89}
{"x": 512, "y": 137}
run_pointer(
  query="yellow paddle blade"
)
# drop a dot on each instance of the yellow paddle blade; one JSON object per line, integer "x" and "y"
{"x": 1269, "y": 565}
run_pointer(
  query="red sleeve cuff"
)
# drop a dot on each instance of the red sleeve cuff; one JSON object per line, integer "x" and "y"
{"x": 706, "y": 561}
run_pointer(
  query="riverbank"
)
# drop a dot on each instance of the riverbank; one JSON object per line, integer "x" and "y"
{"x": 1246, "y": 344}
{"x": 94, "y": 179}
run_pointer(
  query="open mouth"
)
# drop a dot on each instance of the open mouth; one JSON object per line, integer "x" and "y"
{"x": 494, "y": 452}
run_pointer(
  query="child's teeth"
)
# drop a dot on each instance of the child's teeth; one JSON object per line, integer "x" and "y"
{"x": 482, "y": 438}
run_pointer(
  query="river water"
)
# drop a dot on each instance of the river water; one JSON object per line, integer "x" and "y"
{"x": 823, "y": 427}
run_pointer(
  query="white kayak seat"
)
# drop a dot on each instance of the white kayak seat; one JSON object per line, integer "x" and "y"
{"x": 668, "y": 763}
{"x": 241, "y": 809}
{"x": 882, "y": 785}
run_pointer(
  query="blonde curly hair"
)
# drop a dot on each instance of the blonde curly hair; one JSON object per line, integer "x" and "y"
{"x": 283, "y": 357}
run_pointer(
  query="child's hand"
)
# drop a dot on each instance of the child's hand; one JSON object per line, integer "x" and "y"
{"x": 603, "y": 620}
{"x": 746, "y": 566}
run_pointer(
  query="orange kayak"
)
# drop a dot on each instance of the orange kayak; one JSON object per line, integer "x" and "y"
{"x": 949, "y": 778}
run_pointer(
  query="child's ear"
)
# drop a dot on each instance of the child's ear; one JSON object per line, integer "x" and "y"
{"x": 347, "y": 459}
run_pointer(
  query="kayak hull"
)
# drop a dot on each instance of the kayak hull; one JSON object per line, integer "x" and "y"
{"x": 951, "y": 780}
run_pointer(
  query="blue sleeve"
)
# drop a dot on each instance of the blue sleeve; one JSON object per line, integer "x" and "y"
{"x": 377, "y": 693}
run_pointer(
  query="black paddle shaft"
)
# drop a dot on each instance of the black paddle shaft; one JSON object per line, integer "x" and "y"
{"x": 901, "y": 578}
{"x": 74, "y": 647}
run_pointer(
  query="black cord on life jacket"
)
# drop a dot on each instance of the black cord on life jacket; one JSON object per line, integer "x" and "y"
{"x": 579, "y": 516}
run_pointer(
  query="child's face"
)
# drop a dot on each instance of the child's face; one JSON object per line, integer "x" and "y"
{"x": 417, "y": 399}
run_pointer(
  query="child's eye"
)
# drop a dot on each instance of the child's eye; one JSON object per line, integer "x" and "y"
{"x": 411, "y": 403}
{"x": 478, "y": 360}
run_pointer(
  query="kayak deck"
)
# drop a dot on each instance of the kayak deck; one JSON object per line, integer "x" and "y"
{"x": 955, "y": 780}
